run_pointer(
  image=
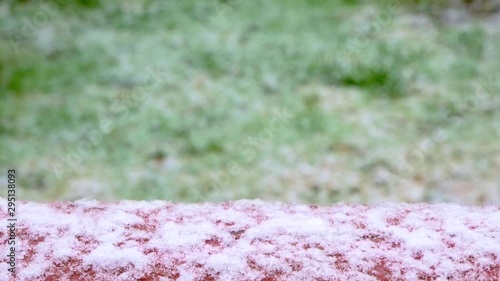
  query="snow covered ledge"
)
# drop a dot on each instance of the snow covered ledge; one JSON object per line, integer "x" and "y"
{"x": 253, "y": 240}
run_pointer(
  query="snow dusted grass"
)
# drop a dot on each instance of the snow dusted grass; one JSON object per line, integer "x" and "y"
{"x": 82, "y": 115}
{"x": 254, "y": 240}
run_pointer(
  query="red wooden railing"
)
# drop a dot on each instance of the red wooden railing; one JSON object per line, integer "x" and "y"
{"x": 251, "y": 240}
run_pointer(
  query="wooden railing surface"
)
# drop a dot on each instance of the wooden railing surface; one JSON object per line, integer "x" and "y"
{"x": 251, "y": 240}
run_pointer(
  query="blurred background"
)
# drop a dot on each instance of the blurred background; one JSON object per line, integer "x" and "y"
{"x": 298, "y": 101}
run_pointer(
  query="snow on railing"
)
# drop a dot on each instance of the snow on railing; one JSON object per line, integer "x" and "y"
{"x": 252, "y": 240}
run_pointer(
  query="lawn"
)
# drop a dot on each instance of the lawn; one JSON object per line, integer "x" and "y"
{"x": 297, "y": 101}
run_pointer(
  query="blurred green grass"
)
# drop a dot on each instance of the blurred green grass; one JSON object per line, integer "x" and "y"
{"x": 360, "y": 89}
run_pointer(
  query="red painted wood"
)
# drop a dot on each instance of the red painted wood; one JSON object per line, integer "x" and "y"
{"x": 252, "y": 240}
